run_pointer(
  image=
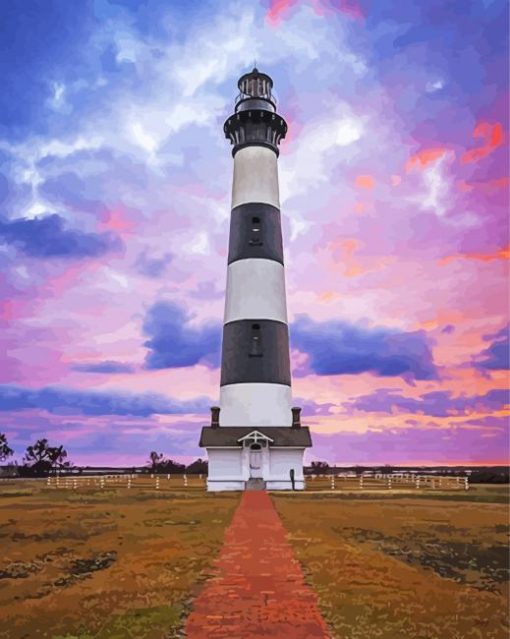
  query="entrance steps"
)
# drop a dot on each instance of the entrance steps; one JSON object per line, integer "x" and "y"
{"x": 255, "y": 484}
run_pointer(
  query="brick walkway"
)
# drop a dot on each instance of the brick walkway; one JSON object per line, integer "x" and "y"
{"x": 258, "y": 588}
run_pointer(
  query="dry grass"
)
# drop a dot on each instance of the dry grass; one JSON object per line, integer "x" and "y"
{"x": 106, "y": 563}
{"x": 118, "y": 563}
{"x": 401, "y": 566}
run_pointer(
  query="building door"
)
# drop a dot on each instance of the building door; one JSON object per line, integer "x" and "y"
{"x": 255, "y": 461}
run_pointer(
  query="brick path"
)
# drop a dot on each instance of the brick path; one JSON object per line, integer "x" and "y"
{"x": 258, "y": 588}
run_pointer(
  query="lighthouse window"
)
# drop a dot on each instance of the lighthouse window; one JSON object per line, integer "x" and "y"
{"x": 256, "y": 227}
{"x": 255, "y": 342}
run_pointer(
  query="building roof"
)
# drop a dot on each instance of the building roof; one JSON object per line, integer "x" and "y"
{"x": 230, "y": 435}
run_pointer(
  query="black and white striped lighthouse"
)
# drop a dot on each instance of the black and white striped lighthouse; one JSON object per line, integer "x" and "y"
{"x": 263, "y": 439}
{"x": 255, "y": 367}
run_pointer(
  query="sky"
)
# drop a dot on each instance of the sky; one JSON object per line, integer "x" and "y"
{"x": 115, "y": 185}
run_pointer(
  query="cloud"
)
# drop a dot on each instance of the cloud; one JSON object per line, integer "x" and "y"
{"x": 47, "y": 237}
{"x": 152, "y": 267}
{"x": 435, "y": 404}
{"x": 497, "y": 356}
{"x": 448, "y": 329}
{"x": 492, "y": 137}
{"x": 338, "y": 348}
{"x": 107, "y": 366}
{"x": 69, "y": 190}
{"x": 424, "y": 158}
{"x": 415, "y": 446}
{"x": 66, "y": 401}
{"x": 311, "y": 408}
{"x": 174, "y": 343}
{"x": 39, "y": 41}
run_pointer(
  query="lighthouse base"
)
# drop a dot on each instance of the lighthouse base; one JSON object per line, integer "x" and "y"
{"x": 242, "y": 456}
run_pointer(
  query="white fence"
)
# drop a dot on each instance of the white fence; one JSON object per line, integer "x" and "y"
{"x": 388, "y": 481}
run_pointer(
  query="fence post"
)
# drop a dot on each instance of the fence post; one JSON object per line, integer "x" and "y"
{"x": 157, "y": 483}
{"x": 185, "y": 479}
{"x": 361, "y": 482}
{"x": 332, "y": 482}
{"x": 466, "y": 483}
{"x": 417, "y": 481}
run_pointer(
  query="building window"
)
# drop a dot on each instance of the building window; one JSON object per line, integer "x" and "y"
{"x": 256, "y": 341}
{"x": 255, "y": 232}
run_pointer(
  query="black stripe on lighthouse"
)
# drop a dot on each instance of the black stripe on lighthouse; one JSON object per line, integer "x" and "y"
{"x": 255, "y": 231}
{"x": 255, "y": 351}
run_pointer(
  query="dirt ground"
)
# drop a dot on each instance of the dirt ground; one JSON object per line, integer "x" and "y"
{"x": 399, "y": 566}
{"x": 105, "y": 563}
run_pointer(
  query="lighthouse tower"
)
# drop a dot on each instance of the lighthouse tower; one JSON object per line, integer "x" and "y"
{"x": 255, "y": 438}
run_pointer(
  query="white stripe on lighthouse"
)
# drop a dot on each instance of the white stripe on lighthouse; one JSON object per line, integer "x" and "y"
{"x": 255, "y": 290}
{"x": 255, "y": 405}
{"x": 255, "y": 176}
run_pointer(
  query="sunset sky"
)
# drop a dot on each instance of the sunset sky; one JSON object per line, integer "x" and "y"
{"x": 115, "y": 184}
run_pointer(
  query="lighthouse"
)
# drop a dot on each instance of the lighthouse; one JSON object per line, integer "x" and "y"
{"x": 255, "y": 438}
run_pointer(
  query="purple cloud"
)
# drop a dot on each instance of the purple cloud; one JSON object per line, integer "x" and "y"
{"x": 107, "y": 367}
{"x": 311, "y": 408}
{"x": 175, "y": 344}
{"x": 66, "y": 401}
{"x": 497, "y": 356}
{"x": 436, "y": 404}
{"x": 413, "y": 446}
{"x": 47, "y": 237}
{"x": 68, "y": 190}
{"x": 448, "y": 330}
{"x": 152, "y": 267}
{"x": 339, "y": 348}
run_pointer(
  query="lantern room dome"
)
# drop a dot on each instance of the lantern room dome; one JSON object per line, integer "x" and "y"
{"x": 255, "y": 91}
{"x": 255, "y": 85}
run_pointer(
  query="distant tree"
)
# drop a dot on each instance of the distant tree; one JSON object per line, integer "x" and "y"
{"x": 158, "y": 464}
{"x": 5, "y": 449}
{"x": 386, "y": 469}
{"x": 171, "y": 466}
{"x": 199, "y": 466}
{"x": 41, "y": 458}
{"x": 489, "y": 476}
{"x": 319, "y": 468}
{"x": 155, "y": 460}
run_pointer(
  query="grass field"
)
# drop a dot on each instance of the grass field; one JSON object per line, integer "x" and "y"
{"x": 110, "y": 563}
{"x": 403, "y": 564}
{"x": 125, "y": 563}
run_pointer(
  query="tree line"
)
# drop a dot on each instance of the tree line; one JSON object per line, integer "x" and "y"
{"x": 41, "y": 460}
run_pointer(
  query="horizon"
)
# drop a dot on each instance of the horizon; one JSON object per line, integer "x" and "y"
{"x": 115, "y": 187}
